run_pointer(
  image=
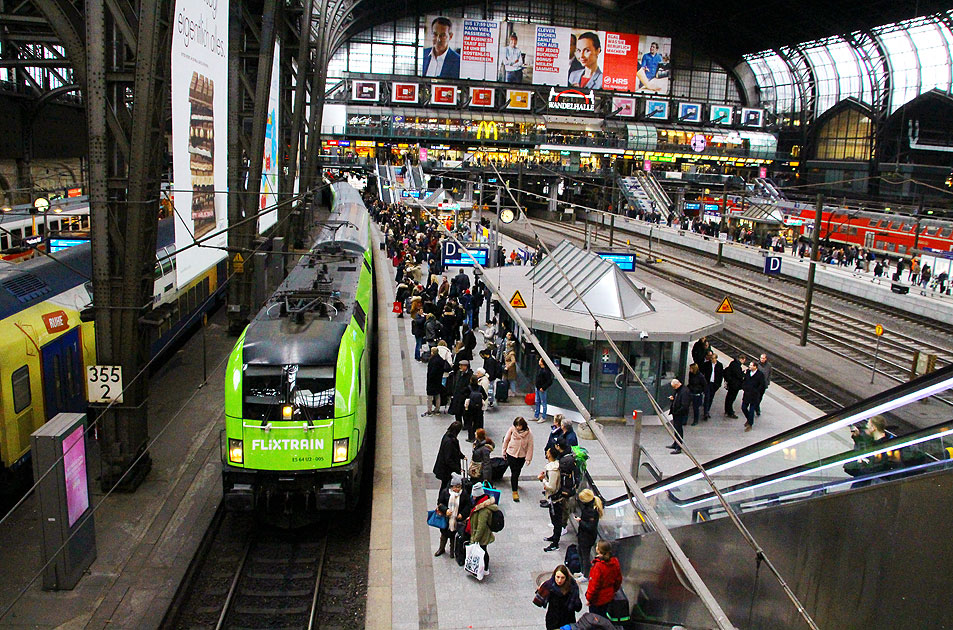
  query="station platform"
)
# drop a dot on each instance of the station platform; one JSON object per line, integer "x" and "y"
{"x": 408, "y": 586}
{"x": 860, "y": 284}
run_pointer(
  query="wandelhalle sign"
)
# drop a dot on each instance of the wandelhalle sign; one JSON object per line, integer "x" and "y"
{"x": 571, "y": 101}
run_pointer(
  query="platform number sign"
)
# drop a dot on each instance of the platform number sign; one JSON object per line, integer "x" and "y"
{"x": 104, "y": 383}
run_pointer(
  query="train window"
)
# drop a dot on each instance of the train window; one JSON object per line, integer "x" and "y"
{"x": 852, "y": 231}
{"x": 262, "y": 392}
{"x": 4, "y": 241}
{"x": 893, "y": 225}
{"x": 906, "y": 227}
{"x": 932, "y": 231}
{"x": 314, "y": 390}
{"x": 57, "y": 383}
{"x": 166, "y": 267}
{"x": 157, "y": 272}
{"x": 20, "y": 380}
{"x": 360, "y": 315}
{"x": 71, "y": 363}
{"x": 945, "y": 233}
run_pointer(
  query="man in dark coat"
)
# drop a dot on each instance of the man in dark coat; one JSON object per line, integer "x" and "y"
{"x": 734, "y": 379}
{"x": 753, "y": 389}
{"x": 765, "y": 367}
{"x": 448, "y": 455}
{"x": 544, "y": 379}
{"x": 714, "y": 374}
{"x": 681, "y": 405}
{"x": 700, "y": 351}
{"x": 459, "y": 387}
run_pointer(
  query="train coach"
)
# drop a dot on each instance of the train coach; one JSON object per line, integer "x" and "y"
{"x": 297, "y": 381}
{"x": 45, "y": 346}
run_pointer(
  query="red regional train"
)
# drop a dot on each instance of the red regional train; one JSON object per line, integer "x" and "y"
{"x": 888, "y": 233}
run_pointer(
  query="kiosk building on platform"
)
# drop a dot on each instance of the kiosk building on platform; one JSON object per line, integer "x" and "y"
{"x": 654, "y": 330}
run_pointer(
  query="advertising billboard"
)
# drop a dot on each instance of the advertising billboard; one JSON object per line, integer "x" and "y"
{"x": 74, "y": 470}
{"x": 269, "y": 168}
{"x": 443, "y": 95}
{"x": 535, "y": 54}
{"x": 199, "y": 133}
{"x": 368, "y": 91}
{"x": 623, "y": 106}
{"x": 482, "y": 97}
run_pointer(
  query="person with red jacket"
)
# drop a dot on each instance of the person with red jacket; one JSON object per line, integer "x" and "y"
{"x": 605, "y": 578}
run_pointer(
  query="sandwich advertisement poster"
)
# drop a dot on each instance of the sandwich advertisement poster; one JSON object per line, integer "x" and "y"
{"x": 199, "y": 132}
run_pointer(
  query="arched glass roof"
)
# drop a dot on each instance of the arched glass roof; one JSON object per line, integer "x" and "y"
{"x": 818, "y": 74}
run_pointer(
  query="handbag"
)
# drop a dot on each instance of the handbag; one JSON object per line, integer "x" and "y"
{"x": 398, "y": 308}
{"x": 475, "y": 470}
{"x": 438, "y": 520}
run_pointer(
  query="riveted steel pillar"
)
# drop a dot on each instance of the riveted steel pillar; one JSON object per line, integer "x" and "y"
{"x": 126, "y": 114}
{"x": 248, "y": 83}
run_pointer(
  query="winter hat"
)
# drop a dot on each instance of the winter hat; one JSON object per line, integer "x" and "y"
{"x": 477, "y": 491}
{"x": 456, "y": 479}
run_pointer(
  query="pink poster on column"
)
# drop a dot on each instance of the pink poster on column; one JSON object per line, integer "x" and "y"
{"x": 74, "y": 470}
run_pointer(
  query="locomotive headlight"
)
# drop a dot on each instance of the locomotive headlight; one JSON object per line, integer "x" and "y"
{"x": 235, "y": 451}
{"x": 340, "y": 450}
{"x": 286, "y": 412}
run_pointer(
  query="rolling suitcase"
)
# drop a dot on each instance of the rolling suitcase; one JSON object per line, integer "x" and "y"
{"x": 502, "y": 391}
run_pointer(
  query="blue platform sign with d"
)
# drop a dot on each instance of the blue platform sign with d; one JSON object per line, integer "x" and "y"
{"x": 772, "y": 265}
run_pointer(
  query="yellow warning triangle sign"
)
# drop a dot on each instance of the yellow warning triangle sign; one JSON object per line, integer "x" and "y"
{"x": 725, "y": 307}
{"x": 517, "y": 301}
{"x": 238, "y": 258}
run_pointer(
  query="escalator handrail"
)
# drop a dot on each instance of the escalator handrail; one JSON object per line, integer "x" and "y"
{"x": 830, "y": 422}
{"x": 827, "y": 485}
{"x": 895, "y": 444}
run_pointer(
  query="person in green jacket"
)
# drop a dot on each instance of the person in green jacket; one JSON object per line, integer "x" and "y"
{"x": 479, "y": 525}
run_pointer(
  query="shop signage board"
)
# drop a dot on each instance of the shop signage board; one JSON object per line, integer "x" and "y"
{"x": 571, "y": 101}
{"x": 482, "y": 97}
{"x": 366, "y": 91}
{"x": 405, "y": 92}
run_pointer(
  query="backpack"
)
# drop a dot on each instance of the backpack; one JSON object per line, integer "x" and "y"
{"x": 582, "y": 457}
{"x": 497, "y": 522}
{"x": 568, "y": 475}
{"x": 573, "y": 561}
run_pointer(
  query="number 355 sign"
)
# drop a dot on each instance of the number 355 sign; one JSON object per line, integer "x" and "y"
{"x": 104, "y": 383}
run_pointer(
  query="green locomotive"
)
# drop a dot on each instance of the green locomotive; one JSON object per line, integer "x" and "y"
{"x": 296, "y": 383}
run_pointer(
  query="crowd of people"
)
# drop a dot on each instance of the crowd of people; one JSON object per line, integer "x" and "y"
{"x": 454, "y": 328}
{"x": 706, "y": 375}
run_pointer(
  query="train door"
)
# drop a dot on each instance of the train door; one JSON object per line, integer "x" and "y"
{"x": 62, "y": 365}
{"x": 869, "y": 239}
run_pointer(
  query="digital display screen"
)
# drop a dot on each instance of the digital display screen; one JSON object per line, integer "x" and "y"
{"x": 626, "y": 262}
{"x": 58, "y": 244}
{"x": 74, "y": 470}
{"x": 465, "y": 259}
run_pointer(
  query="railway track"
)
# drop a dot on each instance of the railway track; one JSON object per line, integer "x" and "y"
{"x": 249, "y": 576}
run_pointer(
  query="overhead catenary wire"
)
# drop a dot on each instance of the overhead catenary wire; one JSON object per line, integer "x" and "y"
{"x": 732, "y": 515}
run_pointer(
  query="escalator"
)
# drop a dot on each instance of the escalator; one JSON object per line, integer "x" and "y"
{"x": 857, "y": 522}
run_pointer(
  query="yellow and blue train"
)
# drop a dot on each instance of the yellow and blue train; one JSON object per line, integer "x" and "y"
{"x": 45, "y": 346}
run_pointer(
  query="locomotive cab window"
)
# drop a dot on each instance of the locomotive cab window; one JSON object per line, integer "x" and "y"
{"x": 314, "y": 391}
{"x": 262, "y": 388}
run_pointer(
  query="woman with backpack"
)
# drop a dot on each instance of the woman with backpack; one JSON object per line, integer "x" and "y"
{"x": 590, "y": 508}
{"x": 560, "y": 596}
{"x": 605, "y": 579}
{"x": 550, "y": 479}
{"x": 518, "y": 451}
